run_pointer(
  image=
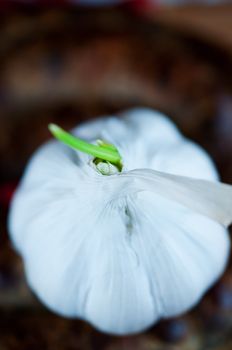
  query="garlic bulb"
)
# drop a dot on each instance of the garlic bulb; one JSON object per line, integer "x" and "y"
{"x": 125, "y": 250}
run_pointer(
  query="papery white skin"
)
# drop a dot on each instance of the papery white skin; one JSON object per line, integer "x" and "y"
{"x": 122, "y": 251}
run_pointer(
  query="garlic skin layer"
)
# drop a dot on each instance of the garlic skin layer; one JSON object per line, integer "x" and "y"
{"x": 113, "y": 250}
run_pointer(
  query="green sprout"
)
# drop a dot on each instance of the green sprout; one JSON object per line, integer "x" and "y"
{"x": 103, "y": 150}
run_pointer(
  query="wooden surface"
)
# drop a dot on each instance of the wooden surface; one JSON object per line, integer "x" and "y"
{"x": 212, "y": 23}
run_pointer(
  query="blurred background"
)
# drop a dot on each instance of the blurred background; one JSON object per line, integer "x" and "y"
{"x": 69, "y": 61}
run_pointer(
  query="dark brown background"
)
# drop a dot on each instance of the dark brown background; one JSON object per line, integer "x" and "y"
{"x": 66, "y": 66}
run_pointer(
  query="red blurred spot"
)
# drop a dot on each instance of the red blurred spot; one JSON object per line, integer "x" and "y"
{"x": 6, "y": 193}
{"x": 141, "y": 6}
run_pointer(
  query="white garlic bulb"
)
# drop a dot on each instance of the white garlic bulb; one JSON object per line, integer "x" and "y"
{"x": 125, "y": 250}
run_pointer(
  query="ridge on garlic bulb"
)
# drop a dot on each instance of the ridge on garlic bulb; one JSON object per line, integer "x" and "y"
{"x": 125, "y": 250}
